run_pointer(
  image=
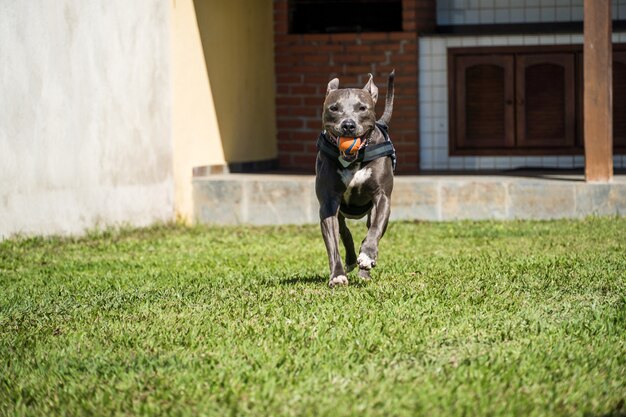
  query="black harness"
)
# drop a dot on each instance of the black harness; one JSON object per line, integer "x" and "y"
{"x": 366, "y": 153}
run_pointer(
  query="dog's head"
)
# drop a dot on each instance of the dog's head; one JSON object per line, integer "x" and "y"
{"x": 349, "y": 111}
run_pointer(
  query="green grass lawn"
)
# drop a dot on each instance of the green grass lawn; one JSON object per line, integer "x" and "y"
{"x": 460, "y": 319}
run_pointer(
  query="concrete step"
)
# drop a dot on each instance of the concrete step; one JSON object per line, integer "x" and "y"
{"x": 270, "y": 199}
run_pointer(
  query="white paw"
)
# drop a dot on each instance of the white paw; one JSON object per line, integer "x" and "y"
{"x": 365, "y": 262}
{"x": 338, "y": 280}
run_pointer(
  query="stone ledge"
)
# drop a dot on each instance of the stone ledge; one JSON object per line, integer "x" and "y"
{"x": 271, "y": 199}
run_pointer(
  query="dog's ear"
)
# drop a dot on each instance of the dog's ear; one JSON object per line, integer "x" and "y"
{"x": 371, "y": 88}
{"x": 332, "y": 85}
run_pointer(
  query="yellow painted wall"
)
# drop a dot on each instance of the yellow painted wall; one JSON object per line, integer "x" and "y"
{"x": 238, "y": 43}
{"x": 195, "y": 131}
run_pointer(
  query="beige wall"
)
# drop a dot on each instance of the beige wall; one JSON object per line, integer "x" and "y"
{"x": 237, "y": 37}
{"x": 196, "y": 135}
{"x": 85, "y": 115}
{"x": 223, "y": 87}
{"x": 101, "y": 123}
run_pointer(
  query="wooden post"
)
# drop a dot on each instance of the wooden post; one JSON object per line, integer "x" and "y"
{"x": 598, "y": 102}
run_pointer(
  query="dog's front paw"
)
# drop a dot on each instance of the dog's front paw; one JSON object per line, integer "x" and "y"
{"x": 365, "y": 262}
{"x": 338, "y": 280}
{"x": 364, "y": 274}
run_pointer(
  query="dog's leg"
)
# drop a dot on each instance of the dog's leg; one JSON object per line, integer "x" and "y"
{"x": 378, "y": 225}
{"x": 365, "y": 273}
{"x": 330, "y": 231}
{"x": 348, "y": 243}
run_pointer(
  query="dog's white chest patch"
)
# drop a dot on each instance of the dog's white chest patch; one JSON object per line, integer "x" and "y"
{"x": 354, "y": 178}
{"x": 360, "y": 177}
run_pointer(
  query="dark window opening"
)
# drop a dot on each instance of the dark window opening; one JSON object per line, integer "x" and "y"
{"x": 345, "y": 16}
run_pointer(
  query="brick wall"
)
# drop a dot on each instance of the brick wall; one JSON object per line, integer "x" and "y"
{"x": 305, "y": 64}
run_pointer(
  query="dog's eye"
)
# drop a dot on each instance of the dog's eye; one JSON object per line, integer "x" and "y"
{"x": 334, "y": 107}
{"x": 362, "y": 108}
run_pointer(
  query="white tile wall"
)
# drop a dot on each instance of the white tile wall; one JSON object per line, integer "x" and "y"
{"x": 434, "y": 101}
{"x": 466, "y": 12}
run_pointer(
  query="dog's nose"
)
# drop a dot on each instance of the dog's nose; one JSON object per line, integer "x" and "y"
{"x": 348, "y": 127}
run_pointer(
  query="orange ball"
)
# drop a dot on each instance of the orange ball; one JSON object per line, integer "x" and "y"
{"x": 349, "y": 145}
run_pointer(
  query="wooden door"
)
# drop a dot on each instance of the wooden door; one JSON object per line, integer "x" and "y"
{"x": 580, "y": 117}
{"x": 619, "y": 99}
{"x": 484, "y": 111}
{"x": 545, "y": 105}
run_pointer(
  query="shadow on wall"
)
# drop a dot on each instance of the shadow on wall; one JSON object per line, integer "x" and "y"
{"x": 237, "y": 40}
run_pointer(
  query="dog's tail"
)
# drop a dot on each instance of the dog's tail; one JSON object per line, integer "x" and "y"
{"x": 386, "y": 117}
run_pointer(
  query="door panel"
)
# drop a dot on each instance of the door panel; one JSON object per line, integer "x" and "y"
{"x": 619, "y": 99}
{"x": 484, "y": 102}
{"x": 545, "y": 106}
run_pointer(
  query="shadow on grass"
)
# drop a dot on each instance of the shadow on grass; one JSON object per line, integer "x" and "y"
{"x": 320, "y": 280}
{"x": 303, "y": 279}
{"x": 618, "y": 411}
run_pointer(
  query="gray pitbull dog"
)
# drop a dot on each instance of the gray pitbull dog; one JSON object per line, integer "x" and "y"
{"x": 352, "y": 186}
